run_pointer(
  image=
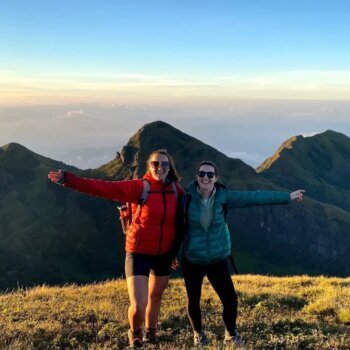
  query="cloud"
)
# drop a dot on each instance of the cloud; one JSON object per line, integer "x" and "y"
{"x": 76, "y": 114}
{"x": 252, "y": 159}
{"x": 310, "y": 134}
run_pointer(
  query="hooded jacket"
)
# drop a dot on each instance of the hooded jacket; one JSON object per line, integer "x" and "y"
{"x": 214, "y": 244}
{"x": 153, "y": 232}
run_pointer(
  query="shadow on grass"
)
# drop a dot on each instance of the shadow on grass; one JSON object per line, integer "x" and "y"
{"x": 272, "y": 301}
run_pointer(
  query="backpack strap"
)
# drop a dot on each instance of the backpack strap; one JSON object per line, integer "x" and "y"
{"x": 145, "y": 191}
{"x": 173, "y": 185}
{"x": 173, "y": 190}
{"x": 185, "y": 203}
{"x": 142, "y": 200}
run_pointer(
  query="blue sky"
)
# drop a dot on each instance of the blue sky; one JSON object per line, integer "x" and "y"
{"x": 232, "y": 63}
{"x": 176, "y": 43}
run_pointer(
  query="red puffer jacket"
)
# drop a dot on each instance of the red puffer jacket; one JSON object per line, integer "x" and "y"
{"x": 153, "y": 232}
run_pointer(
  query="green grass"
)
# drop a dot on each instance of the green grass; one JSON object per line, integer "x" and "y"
{"x": 274, "y": 313}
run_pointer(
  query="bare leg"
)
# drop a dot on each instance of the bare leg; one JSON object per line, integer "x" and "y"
{"x": 157, "y": 286}
{"x": 138, "y": 295}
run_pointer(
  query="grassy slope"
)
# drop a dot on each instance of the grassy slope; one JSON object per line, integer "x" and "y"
{"x": 275, "y": 313}
{"x": 49, "y": 234}
{"x": 319, "y": 164}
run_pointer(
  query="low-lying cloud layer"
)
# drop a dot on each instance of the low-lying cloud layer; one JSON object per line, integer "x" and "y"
{"x": 251, "y": 130}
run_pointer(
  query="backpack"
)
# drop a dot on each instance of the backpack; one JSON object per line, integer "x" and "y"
{"x": 186, "y": 199}
{"x": 125, "y": 210}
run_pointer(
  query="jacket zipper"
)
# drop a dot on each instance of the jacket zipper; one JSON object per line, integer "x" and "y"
{"x": 162, "y": 222}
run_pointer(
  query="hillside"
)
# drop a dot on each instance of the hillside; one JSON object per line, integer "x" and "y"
{"x": 274, "y": 313}
{"x": 320, "y": 163}
{"x": 49, "y": 234}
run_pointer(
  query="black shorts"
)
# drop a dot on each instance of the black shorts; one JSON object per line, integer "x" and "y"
{"x": 144, "y": 264}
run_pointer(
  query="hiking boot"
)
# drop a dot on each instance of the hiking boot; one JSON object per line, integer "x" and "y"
{"x": 199, "y": 339}
{"x": 135, "y": 339}
{"x": 151, "y": 336}
{"x": 232, "y": 339}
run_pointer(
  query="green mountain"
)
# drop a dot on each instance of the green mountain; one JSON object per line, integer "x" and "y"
{"x": 50, "y": 234}
{"x": 320, "y": 164}
{"x": 186, "y": 151}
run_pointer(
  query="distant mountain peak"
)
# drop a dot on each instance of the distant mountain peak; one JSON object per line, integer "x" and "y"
{"x": 153, "y": 129}
{"x": 288, "y": 144}
{"x": 186, "y": 150}
{"x": 328, "y": 134}
{"x": 14, "y": 147}
{"x": 319, "y": 164}
{"x": 150, "y": 137}
{"x": 332, "y": 133}
{"x": 325, "y": 140}
{"x": 157, "y": 124}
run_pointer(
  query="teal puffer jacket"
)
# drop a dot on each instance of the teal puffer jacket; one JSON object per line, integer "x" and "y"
{"x": 203, "y": 247}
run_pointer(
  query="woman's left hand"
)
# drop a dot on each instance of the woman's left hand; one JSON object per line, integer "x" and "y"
{"x": 297, "y": 195}
{"x": 175, "y": 264}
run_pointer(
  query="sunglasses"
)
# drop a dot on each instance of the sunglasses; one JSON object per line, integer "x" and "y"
{"x": 155, "y": 164}
{"x": 210, "y": 174}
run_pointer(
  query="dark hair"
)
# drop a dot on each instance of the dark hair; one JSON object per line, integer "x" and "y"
{"x": 173, "y": 174}
{"x": 208, "y": 162}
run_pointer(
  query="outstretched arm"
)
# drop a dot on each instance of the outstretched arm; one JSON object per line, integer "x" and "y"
{"x": 123, "y": 191}
{"x": 237, "y": 199}
{"x": 297, "y": 195}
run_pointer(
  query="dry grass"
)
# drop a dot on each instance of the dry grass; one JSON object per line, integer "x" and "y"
{"x": 274, "y": 313}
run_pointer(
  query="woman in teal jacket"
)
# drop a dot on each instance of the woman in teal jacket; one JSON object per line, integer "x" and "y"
{"x": 207, "y": 244}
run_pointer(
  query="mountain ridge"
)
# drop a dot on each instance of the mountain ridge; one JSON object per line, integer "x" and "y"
{"x": 51, "y": 235}
{"x": 319, "y": 163}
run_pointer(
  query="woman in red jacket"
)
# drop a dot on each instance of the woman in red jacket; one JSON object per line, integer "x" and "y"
{"x": 150, "y": 240}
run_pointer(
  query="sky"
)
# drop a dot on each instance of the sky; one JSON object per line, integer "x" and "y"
{"x": 80, "y": 77}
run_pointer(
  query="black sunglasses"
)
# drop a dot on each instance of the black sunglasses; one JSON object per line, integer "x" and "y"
{"x": 155, "y": 164}
{"x": 210, "y": 174}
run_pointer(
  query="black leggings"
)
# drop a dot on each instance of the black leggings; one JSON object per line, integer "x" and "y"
{"x": 219, "y": 276}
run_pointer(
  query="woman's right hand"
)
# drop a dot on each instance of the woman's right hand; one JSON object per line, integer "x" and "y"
{"x": 57, "y": 177}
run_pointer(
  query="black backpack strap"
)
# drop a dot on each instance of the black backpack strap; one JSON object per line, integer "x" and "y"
{"x": 185, "y": 204}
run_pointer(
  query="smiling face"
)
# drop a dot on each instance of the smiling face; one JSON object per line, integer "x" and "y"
{"x": 158, "y": 166}
{"x": 206, "y": 178}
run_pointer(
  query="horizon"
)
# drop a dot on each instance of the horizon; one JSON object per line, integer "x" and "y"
{"x": 93, "y": 157}
{"x": 72, "y": 73}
